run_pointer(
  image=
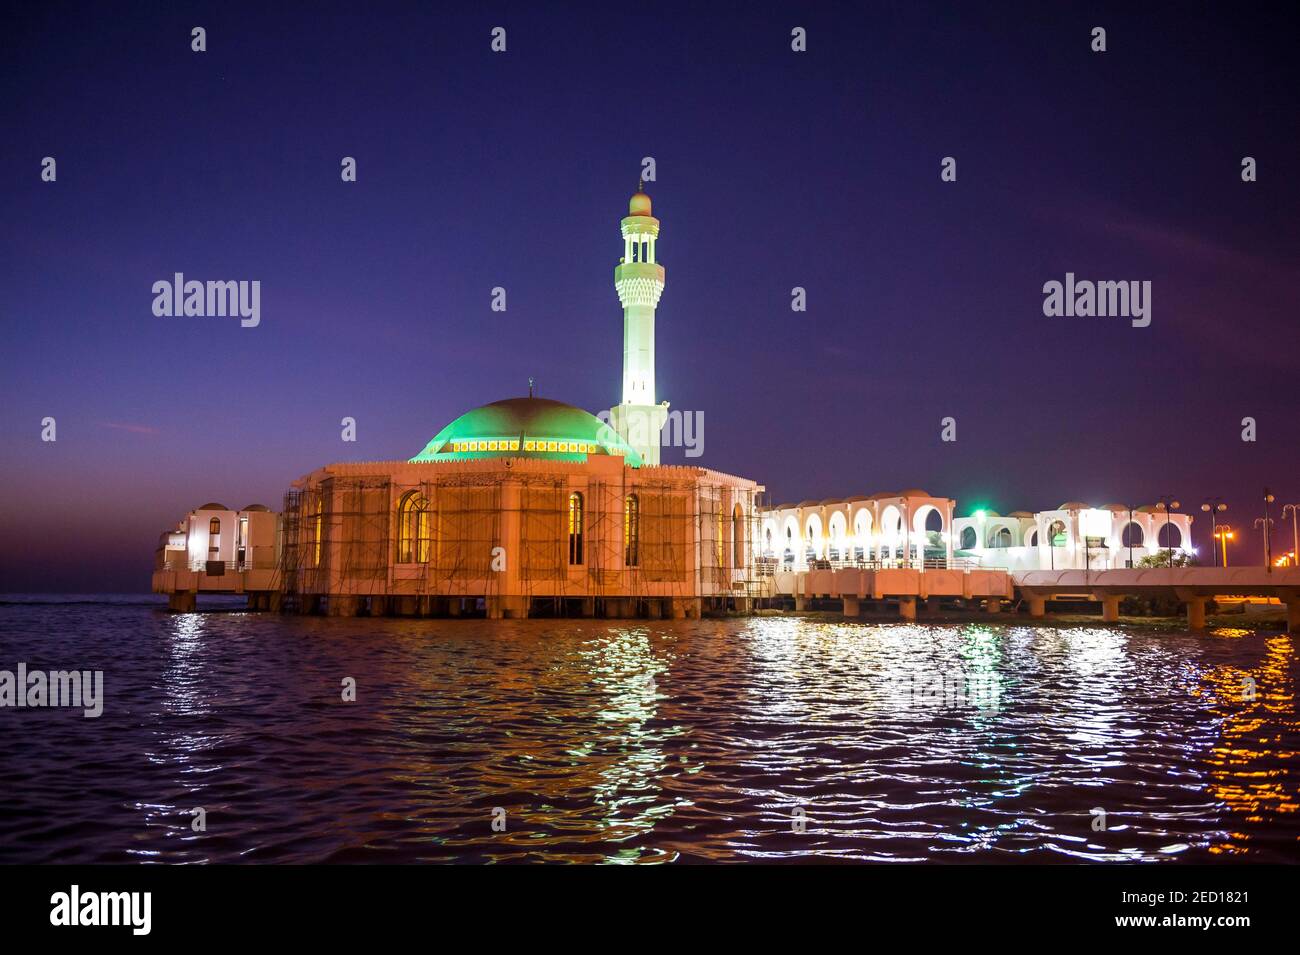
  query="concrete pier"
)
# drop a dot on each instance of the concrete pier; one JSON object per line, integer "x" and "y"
{"x": 183, "y": 601}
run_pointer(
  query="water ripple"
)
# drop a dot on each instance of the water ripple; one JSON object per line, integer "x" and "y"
{"x": 771, "y": 739}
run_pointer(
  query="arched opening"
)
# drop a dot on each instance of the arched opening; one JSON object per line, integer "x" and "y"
{"x": 862, "y": 534}
{"x": 927, "y": 541}
{"x": 214, "y": 538}
{"x": 891, "y": 532}
{"x": 814, "y": 542}
{"x": 1056, "y": 534}
{"x": 575, "y": 528}
{"x": 1169, "y": 535}
{"x": 413, "y": 537}
{"x": 1000, "y": 537}
{"x": 737, "y": 537}
{"x": 1032, "y": 539}
{"x": 631, "y": 531}
{"x": 969, "y": 538}
{"x": 1132, "y": 535}
{"x": 838, "y": 547}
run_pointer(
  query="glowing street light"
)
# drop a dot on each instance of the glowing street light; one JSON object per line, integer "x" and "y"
{"x": 1266, "y": 522}
{"x": 1295, "y": 535}
{"x": 1214, "y": 506}
{"x": 1223, "y": 535}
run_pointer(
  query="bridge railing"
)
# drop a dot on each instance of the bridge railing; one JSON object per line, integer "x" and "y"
{"x": 887, "y": 563}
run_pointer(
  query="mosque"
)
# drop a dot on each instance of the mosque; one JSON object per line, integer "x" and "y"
{"x": 530, "y": 506}
{"x": 525, "y": 505}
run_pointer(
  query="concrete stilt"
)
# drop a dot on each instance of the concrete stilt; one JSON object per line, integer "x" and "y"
{"x": 1293, "y": 616}
{"x": 932, "y": 605}
{"x": 677, "y": 608}
{"x": 654, "y": 608}
{"x": 1037, "y": 605}
{"x": 992, "y": 605}
{"x": 341, "y": 606}
{"x": 183, "y": 601}
{"x": 379, "y": 606}
{"x": 852, "y": 606}
{"x": 907, "y": 608}
{"x": 275, "y": 601}
{"x": 800, "y": 604}
{"x": 1110, "y": 607}
{"x": 495, "y": 608}
{"x": 1196, "y": 613}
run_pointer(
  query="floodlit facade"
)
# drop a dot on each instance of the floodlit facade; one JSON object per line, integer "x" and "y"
{"x": 1074, "y": 536}
{"x": 214, "y": 549}
{"x": 521, "y": 506}
{"x": 519, "y": 533}
{"x": 888, "y": 529}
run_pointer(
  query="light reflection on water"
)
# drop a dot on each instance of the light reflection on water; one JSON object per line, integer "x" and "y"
{"x": 643, "y": 742}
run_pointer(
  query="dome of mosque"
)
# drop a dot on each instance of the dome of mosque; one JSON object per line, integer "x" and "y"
{"x": 639, "y": 205}
{"x": 526, "y": 428}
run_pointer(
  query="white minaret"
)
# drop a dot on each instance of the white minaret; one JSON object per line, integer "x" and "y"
{"x": 639, "y": 279}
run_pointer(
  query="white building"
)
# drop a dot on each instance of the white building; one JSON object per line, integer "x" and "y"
{"x": 213, "y": 539}
{"x": 1074, "y": 536}
{"x": 889, "y": 529}
{"x": 915, "y": 529}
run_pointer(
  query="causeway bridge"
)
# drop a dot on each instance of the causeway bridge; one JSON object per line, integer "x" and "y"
{"x": 914, "y": 581}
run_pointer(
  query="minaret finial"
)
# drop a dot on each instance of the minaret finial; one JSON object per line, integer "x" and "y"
{"x": 530, "y": 387}
{"x": 640, "y": 184}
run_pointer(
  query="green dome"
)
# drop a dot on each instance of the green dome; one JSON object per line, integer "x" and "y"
{"x": 526, "y": 428}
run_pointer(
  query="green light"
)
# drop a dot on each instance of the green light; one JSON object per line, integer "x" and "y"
{"x": 979, "y": 515}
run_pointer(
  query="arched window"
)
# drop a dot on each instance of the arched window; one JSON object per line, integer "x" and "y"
{"x": 738, "y": 537}
{"x": 969, "y": 539}
{"x": 1132, "y": 535}
{"x": 1056, "y": 534}
{"x": 214, "y": 538}
{"x": 317, "y": 529}
{"x": 631, "y": 531}
{"x": 575, "y": 528}
{"x": 214, "y": 526}
{"x": 720, "y": 545}
{"x": 413, "y": 537}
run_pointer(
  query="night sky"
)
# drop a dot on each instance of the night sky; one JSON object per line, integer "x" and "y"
{"x": 775, "y": 169}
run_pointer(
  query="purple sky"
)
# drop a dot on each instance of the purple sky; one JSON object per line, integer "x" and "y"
{"x": 775, "y": 169}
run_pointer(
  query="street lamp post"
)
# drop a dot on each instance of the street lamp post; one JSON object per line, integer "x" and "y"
{"x": 1213, "y": 506}
{"x": 1168, "y": 504}
{"x": 1223, "y": 535}
{"x": 1266, "y": 522}
{"x": 1295, "y": 534}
